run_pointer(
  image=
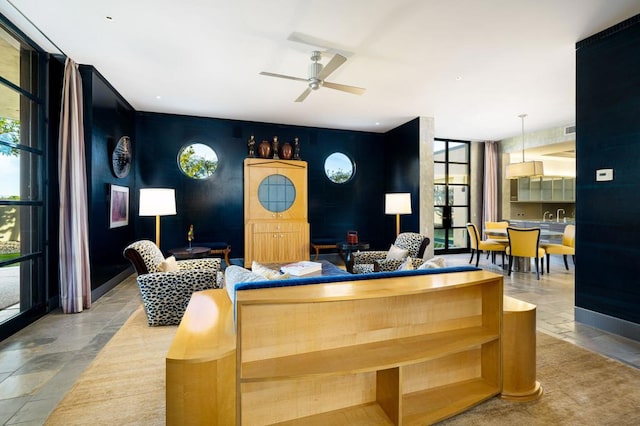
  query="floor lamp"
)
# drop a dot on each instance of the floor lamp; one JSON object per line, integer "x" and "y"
{"x": 397, "y": 203}
{"x": 157, "y": 202}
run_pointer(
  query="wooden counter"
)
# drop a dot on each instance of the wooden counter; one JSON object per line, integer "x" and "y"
{"x": 410, "y": 350}
{"x": 200, "y": 364}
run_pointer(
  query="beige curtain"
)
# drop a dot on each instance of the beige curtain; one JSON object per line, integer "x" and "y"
{"x": 490, "y": 187}
{"x": 75, "y": 282}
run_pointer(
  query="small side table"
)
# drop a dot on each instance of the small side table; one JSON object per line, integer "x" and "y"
{"x": 182, "y": 253}
{"x": 345, "y": 250}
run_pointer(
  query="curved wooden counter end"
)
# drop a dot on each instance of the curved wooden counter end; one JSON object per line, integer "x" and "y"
{"x": 201, "y": 363}
{"x": 519, "y": 351}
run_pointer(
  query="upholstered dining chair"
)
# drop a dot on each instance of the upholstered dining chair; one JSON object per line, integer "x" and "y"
{"x": 407, "y": 244}
{"x": 478, "y": 245}
{"x": 166, "y": 285}
{"x": 525, "y": 242}
{"x": 568, "y": 246}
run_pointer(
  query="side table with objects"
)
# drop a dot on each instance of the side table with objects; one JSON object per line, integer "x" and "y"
{"x": 181, "y": 253}
{"x": 345, "y": 249}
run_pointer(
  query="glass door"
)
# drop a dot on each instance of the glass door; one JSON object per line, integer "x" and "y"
{"x": 451, "y": 195}
{"x": 22, "y": 199}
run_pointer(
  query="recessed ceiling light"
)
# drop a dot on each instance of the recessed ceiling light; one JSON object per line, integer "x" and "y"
{"x": 108, "y": 18}
{"x": 458, "y": 78}
{"x": 377, "y": 123}
{"x": 158, "y": 97}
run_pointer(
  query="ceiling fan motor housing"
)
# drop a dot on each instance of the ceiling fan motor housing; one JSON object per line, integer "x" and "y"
{"x": 314, "y": 70}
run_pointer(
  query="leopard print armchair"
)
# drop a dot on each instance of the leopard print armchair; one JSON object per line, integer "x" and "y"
{"x": 165, "y": 295}
{"x": 376, "y": 260}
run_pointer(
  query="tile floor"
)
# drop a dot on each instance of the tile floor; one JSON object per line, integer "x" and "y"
{"x": 40, "y": 363}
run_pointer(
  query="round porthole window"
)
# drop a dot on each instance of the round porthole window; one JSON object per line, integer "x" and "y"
{"x": 339, "y": 168}
{"x": 198, "y": 161}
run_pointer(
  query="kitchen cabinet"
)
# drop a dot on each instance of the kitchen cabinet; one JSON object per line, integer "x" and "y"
{"x": 275, "y": 211}
{"x": 544, "y": 189}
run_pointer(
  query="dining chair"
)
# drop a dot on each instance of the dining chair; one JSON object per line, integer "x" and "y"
{"x": 478, "y": 245}
{"x": 568, "y": 246}
{"x": 525, "y": 242}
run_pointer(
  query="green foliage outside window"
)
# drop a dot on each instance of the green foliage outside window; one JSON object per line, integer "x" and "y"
{"x": 195, "y": 164}
{"x": 9, "y": 132}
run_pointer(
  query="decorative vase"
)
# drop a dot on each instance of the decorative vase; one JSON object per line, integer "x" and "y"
{"x": 264, "y": 149}
{"x": 286, "y": 151}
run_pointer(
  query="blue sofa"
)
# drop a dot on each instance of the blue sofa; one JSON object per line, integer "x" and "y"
{"x": 238, "y": 278}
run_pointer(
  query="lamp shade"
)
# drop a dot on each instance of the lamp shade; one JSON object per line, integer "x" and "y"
{"x": 397, "y": 203}
{"x": 524, "y": 169}
{"x": 157, "y": 202}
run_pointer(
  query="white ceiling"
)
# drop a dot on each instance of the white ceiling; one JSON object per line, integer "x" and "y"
{"x": 472, "y": 65}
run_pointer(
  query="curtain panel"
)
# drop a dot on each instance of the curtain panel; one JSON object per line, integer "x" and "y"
{"x": 490, "y": 187}
{"x": 75, "y": 277}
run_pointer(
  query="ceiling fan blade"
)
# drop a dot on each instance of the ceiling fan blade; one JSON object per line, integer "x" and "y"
{"x": 333, "y": 64}
{"x": 304, "y": 95}
{"x": 288, "y": 77}
{"x": 344, "y": 88}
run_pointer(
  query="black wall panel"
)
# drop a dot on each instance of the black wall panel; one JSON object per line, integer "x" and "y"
{"x": 215, "y": 205}
{"x": 608, "y": 136}
{"x": 107, "y": 118}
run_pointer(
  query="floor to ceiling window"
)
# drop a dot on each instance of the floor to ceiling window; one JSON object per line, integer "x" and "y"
{"x": 451, "y": 195}
{"x": 22, "y": 166}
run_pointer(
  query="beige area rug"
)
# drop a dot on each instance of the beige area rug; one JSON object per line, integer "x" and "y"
{"x": 125, "y": 385}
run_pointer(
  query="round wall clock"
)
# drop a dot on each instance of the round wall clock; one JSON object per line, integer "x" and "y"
{"x": 121, "y": 157}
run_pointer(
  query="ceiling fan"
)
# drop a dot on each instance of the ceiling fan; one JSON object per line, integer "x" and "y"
{"x": 318, "y": 74}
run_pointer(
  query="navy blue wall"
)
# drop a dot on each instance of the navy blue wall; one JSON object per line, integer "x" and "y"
{"x": 215, "y": 205}
{"x": 384, "y": 163}
{"x": 107, "y": 117}
{"x": 608, "y": 136}
{"x": 402, "y": 170}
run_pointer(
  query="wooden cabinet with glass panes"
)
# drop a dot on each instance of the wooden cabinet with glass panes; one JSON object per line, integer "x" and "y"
{"x": 275, "y": 211}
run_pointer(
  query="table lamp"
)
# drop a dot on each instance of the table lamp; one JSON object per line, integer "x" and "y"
{"x": 157, "y": 202}
{"x": 397, "y": 203}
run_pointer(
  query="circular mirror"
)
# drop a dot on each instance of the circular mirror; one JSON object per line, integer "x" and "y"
{"x": 276, "y": 193}
{"x": 339, "y": 168}
{"x": 198, "y": 161}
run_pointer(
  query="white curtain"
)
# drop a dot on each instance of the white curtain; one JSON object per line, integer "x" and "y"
{"x": 490, "y": 191}
{"x": 75, "y": 282}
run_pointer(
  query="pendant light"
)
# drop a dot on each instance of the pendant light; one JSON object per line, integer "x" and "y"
{"x": 526, "y": 168}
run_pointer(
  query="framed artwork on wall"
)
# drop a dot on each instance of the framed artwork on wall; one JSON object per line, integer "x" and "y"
{"x": 118, "y": 206}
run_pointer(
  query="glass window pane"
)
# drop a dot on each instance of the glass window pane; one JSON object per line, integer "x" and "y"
{"x": 19, "y": 175}
{"x": 459, "y": 238}
{"x": 458, "y": 173}
{"x": 198, "y": 161}
{"x": 19, "y": 234}
{"x": 15, "y": 55}
{"x": 459, "y": 216}
{"x": 438, "y": 238}
{"x": 439, "y": 173}
{"x": 439, "y": 193}
{"x": 439, "y": 150}
{"x": 437, "y": 217}
{"x": 458, "y": 195}
{"x": 339, "y": 168}
{"x": 458, "y": 152}
{"x": 276, "y": 193}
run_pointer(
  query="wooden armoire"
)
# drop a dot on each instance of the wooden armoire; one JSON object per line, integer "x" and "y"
{"x": 276, "y": 225}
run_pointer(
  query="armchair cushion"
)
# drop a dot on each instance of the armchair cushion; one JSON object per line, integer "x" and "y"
{"x": 396, "y": 252}
{"x": 168, "y": 265}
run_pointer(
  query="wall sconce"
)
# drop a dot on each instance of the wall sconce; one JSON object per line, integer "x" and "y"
{"x": 397, "y": 203}
{"x": 157, "y": 202}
